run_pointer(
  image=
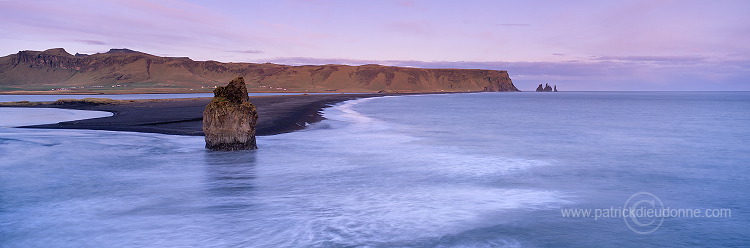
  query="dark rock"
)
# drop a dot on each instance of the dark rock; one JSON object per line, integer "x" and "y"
{"x": 121, "y": 50}
{"x": 235, "y": 91}
{"x": 229, "y": 120}
{"x": 546, "y": 88}
{"x": 57, "y": 52}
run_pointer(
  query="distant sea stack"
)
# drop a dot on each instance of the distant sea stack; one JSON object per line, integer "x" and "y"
{"x": 229, "y": 120}
{"x": 128, "y": 70}
{"x": 546, "y": 88}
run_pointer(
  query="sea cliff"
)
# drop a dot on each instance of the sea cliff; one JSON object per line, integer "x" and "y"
{"x": 128, "y": 70}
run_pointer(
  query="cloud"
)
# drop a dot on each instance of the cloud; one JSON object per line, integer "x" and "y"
{"x": 139, "y": 24}
{"x": 410, "y": 5}
{"x": 405, "y": 3}
{"x": 671, "y": 59}
{"x": 513, "y": 25}
{"x": 93, "y": 42}
{"x": 247, "y": 51}
{"x": 421, "y": 27}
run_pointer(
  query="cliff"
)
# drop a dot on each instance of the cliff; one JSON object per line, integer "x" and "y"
{"x": 124, "y": 69}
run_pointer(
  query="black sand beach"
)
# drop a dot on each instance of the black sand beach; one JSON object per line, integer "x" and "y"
{"x": 277, "y": 114}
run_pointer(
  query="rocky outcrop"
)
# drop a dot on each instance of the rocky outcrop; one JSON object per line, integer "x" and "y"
{"x": 122, "y": 50}
{"x": 546, "y": 88}
{"x": 229, "y": 120}
{"x": 137, "y": 71}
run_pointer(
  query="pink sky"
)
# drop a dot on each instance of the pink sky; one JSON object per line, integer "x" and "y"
{"x": 578, "y": 45}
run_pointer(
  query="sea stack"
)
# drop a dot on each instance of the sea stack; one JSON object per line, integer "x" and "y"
{"x": 229, "y": 120}
{"x": 546, "y": 88}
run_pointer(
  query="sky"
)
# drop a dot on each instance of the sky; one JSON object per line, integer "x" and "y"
{"x": 576, "y": 45}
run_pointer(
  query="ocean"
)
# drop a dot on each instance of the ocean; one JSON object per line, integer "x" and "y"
{"x": 448, "y": 170}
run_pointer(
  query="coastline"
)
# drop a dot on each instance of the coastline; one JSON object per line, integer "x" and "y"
{"x": 277, "y": 114}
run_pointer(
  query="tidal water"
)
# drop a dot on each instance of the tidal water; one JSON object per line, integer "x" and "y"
{"x": 454, "y": 170}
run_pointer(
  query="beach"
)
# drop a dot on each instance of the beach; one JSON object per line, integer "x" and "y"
{"x": 277, "y": 114}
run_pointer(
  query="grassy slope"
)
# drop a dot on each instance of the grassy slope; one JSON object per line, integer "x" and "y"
{"x": 144, "y": 73}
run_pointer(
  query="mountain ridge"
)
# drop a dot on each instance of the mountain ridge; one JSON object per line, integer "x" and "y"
{"x": 127, "y": 70}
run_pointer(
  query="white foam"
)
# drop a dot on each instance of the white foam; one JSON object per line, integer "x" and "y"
{"x": 345, "y": 112}
{"x": 393, "y": 214}
{"x": 14, "y": 117}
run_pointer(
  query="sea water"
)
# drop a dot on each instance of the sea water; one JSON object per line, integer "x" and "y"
{"x": 453, "y": 170}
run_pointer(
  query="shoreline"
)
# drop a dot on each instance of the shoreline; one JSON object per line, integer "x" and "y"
{"x": 184, "y": 116}
{"x": 151, "y": 92}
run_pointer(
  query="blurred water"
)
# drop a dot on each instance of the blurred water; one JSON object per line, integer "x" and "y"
{"x": 458, "y": 170}
{"x": 16, "y": 117}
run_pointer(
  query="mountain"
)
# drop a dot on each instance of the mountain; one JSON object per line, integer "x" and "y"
{"x": 128, "y": 71}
